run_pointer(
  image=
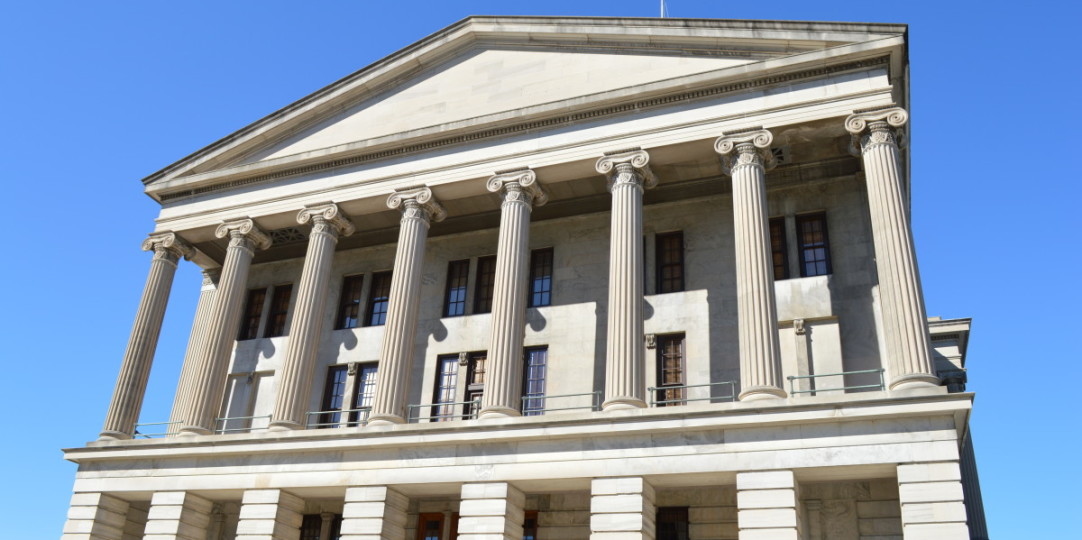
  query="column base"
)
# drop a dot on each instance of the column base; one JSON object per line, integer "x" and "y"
{"x": 284, "y": 425}
{"x": 498, "y": 412}
{"x": 191, "y": 431}
{"x": 623, "y": 403}
{"x": 385, "y": 420}
{"x": 110, "y": 435}
{"x": 759, "y": 393}
{"x": 915, "y": 380}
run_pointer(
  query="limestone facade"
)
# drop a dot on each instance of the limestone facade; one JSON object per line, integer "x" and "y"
{"x": 554, "y": 278}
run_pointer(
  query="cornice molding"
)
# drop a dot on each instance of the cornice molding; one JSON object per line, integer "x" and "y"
{"x": 504, "y": 130}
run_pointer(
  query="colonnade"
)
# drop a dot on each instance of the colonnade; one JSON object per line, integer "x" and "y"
{"x": 747, "y": 157}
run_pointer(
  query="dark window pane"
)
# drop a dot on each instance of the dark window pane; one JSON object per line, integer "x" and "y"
{"x": 279, "y": 309}
{"x": 541, "y": 278}
{"x": 672, "y": 523}
{"x": 670, "y": 371}
{"x": 779, "y": 253}
{"x": 813, "y": 245}
{"x": 457, "y": 274}
{"x": 363, "y": 391}
{"x": 486, "y": 280}
{"x": 446, "y": 381}
{"x": 349, "y": 306}
{"x": 253, "y": 308}
{"x": 529, "y": 525}
{"x": 378, "y": 298}
{"x": 475, "y": 382}
{"x": 310, "y": 527}
{"x": 430, "y": 526}
{"x": 533, "y": 380}
{"x": 670, "y": 262}
{"x": 334, "y": 391}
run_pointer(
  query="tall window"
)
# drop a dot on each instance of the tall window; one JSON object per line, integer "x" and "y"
{"x": 779, "y": 251}
{"x": 457, "y": 274}
{"x": 486, "y": 281}
{"x": 378, "y": 298}
{"x": 813, "y": 245}
{"x": 670, "y": 262}
{"x": 334, "y": 394}
{"x": 671, "y": 383}
{"x": 349, "y": 304}
{"x": 312, "y": 525}
{"x": 475, "y": 382}
{"x": 533, "y": 381}
{"x": 365, "y": 388}
{"x": 529, "y": 525}
{"x": 672, "y": 523}
{"x": 541, "y": 278}
{"x": 279, "y": 309}
{"x": 253, "y": 310}
{"x": 444, "y": 391}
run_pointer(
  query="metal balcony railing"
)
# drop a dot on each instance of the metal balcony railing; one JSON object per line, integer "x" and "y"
{"x": 222, "y": 424}
{"x": 334, "y": 418}
{"x": 682, "y": 392}
{"x": 538, "y": 405}
{"x": 443, "y": 412}
{"x": 137, "y": 434}
{"x": 881, "y": 385}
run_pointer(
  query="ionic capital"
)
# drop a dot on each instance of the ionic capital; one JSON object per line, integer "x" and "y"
{"x": 872, "y": 127}
{"x": 326, "y": 217}
{"x": 417, "y": 203}
{"x": 243, "y": 232}
{"x": 518, "y": 186}
{"x": 751, "y": 147}
{"x": 168, "y": 246}
{"x": 627, "y": 167}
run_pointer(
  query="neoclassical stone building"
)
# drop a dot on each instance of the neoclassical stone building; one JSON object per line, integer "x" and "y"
{"x": 553, "y": 278}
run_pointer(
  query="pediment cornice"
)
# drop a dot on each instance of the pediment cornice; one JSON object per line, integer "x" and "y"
{"x": 215, "y": 167}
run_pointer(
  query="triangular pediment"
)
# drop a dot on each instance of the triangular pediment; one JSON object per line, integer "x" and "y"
{"x": 486, "y": 72}
{"x": 486, "y": 81}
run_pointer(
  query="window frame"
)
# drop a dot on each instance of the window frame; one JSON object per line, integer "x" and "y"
{"x": 779, "y": 247}
{"x": 383, "y": 300}
{"x": 661, "y": 262}
{"x": 534, "y": 402}
{"x": 542, "y": 267}
{"x": 484, "y": 284}
{"x": 349, "y": 300}
{"x": 458, "y": 278}
{"x": 250, "y": 325}
{"x": 331, "y": 416}
{"x": 444, "y": 389}
{"x": 803, "y": 247}
{"x": 668, "y": 393}
{"x": 277, "y": 323}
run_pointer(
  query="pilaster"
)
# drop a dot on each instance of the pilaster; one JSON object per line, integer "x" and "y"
{"x": 374, "y": 513}
{"x": 177, "y": 515}
{"x": 933, "y": 504}
{"x": 270, "y": 514}
{"x": 491, "y": 511}
{"x": 208, "y": 384}
{"x": 746, "y": 155}
{"x": 520, "y": 191}
{"x": 629, "y": 174}
{"x": 419, "y": 208}
{"x": 622, "y": 509}
{"x": 766, "y": 505}
{"x": 905, "y": 321}
{"x": 95, "y": 516}
{"x": 131, "y": 383}
{"x": 295, "y": 377}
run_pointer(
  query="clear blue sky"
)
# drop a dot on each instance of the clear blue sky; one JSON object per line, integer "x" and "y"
{"x": 99, "y": 94}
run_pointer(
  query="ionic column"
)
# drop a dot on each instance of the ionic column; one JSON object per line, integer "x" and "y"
{"x": 208, "y": 384}
{"x": 207, "y": 294}
{"x": 295, "y": 377}
{"x": 628, "y": 175}
{"x": 905, "y": 321}
{"x": 131, "y": 383}
{"x": 503, "y": 382}
{"x": 418, "y": 209}
{"x": 760, "y": 359}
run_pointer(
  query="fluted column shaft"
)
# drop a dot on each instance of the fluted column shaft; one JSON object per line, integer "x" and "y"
{"x": 503, "y": 381}
{"x": 905, "y": 321}
{"x": 207, "y": 293}
{"x": 400, "y": 333}
{"x": 131, "y": 383}
{"x": 208, "y": 384}
{"x": 760, "y": 356}
{"x": 625, "y": 353}
{"x": 295, "y": 377}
